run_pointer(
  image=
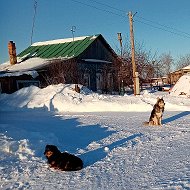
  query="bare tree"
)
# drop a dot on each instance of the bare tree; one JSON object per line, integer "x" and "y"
{"x": 183, "y": 61}
{"x": 54, "y": 75}
{"x": 61, "y": 71}
{"x": 166, "y": 64}
{"x": 145, "y": 62}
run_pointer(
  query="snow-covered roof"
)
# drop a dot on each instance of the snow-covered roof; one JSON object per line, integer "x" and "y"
{"x": 59, "y": 41}
{"x": 187, "y": 67}
{"x": 182, "y": 69}
{"x": 34, "y": 74}
{"x": 29, "y": 64}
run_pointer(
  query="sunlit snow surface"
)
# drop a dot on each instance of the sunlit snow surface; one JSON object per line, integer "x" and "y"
{"x": 105, "y": 131}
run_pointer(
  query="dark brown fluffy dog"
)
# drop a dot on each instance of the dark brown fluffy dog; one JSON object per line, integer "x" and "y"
{"x": 156, "y": 114}
{"x": 62, "y": 160}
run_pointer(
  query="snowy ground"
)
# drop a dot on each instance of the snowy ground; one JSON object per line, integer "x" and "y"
{"x": 106, "y": 132}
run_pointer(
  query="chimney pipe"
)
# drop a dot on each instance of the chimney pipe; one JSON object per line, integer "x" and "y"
{"x": 12, "y": 52}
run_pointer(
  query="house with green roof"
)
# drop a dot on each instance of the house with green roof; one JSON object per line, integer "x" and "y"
{"x": 86, "y": 60}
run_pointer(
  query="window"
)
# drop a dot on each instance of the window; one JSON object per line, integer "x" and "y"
{"x": 26, "y": 83}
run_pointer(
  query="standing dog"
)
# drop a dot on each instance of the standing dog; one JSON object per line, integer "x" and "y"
{"x": 63, "y": 161}
{"x": 156, "y": 114}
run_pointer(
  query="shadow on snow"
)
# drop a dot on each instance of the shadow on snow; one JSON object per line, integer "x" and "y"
{"x": 96, "y": 155}
{"x": 175, "y": 117}
{"x": 41, "y": 128}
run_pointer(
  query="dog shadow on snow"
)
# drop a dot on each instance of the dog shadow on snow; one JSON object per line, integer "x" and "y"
{"x": 93, "y": 156}
{"x": 175, "y": 117}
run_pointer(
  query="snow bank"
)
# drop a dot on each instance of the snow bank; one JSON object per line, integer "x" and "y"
{"x": 63, "y": 98}
{"x": 19, "y": 149}
{"x": 182, "y": 87}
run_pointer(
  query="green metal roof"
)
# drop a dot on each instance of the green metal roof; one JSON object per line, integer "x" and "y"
{"x": 58, "y": 49}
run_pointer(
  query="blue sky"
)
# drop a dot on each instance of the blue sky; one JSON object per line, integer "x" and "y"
{"x": 55, "y": 18}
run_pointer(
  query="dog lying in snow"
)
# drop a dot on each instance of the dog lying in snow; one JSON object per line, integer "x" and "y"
{"x": 63, "y": 161}
{"x": 156, "y": 114}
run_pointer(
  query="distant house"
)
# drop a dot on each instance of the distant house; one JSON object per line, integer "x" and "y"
{"x": 160, "y": 81}
{"x": 87, "y": 60}
{"x": 174, "y": 76}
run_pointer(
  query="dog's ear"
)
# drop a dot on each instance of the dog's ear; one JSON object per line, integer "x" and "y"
{"x": 158, "y": 99}
{"x": 47, "y": 146}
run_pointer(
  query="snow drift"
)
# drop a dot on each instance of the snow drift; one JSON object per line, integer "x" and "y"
{"x": 182, "y": 87}
{"x": 63, "y": 98}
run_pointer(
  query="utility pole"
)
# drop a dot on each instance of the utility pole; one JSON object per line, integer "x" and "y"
{"x": 135, "y": 73}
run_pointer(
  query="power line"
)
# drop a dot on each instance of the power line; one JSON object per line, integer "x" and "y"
{"x": 169, "y": 27}
{"x": 162, "y": 27}
{"x": 148, "y": 20}
{"x": 108, "y": 6}
{"x": 110, "y": 12}
{"x": 172, "y": 32}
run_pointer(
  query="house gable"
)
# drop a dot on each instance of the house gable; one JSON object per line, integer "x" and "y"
{"x": 100, "y": 50}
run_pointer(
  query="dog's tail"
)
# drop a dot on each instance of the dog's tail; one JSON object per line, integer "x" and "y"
{"x": 146, "y": 123}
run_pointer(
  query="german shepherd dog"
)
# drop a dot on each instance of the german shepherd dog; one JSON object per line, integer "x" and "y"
{"x": 63, "y": 161}
{"x": 156, "y": 114}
